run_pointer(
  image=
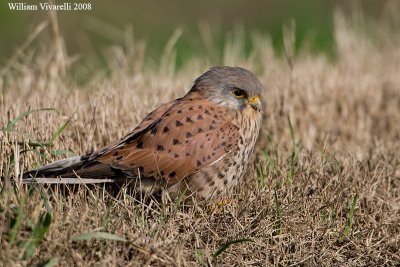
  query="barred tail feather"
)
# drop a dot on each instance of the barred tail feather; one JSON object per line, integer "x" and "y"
{"x": 53, "y": 168}
{"x": 65, "y": 180}
{"x": 74, "y": 170}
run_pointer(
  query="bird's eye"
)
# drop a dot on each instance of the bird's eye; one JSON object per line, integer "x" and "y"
{"x": 238, "y": 93}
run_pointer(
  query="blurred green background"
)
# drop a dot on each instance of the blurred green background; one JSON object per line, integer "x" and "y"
{"x": 88, "y": 33}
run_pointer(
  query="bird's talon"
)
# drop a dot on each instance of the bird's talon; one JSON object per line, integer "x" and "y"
{"x": 219, "y": 206}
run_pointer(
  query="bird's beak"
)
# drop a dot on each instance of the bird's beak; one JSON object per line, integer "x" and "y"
{"x": 255, "y": 102}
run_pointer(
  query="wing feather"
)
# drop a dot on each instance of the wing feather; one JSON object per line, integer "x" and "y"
{"x": 185, "y": 139}
{"x": 171, "y": 143}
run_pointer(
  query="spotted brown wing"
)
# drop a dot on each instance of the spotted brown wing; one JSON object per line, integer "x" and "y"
{"x": 147, "y": 121}
{"x": 189, "y": 136}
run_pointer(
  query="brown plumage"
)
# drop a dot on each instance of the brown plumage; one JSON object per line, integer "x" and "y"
{"x": 202, "y": 141}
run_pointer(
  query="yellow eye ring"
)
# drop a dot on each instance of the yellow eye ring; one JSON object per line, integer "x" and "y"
{"x": 238, "y": 93}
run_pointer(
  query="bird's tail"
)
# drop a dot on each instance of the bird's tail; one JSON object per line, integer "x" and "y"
{"x": 65, "y": 171}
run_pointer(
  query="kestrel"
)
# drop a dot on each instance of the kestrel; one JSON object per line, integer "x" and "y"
{"x": 201, "y": 142}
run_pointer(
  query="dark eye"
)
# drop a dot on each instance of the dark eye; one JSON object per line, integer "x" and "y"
{"x": 238, "y": 93}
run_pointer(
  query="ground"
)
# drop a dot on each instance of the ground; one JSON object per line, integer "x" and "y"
{"x": 323, "y": 187}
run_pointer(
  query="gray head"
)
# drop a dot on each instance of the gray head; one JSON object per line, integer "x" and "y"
{"x": 233, "y": 87}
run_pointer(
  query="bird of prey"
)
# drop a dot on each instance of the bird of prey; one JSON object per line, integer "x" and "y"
{"x": 201, "y": 142}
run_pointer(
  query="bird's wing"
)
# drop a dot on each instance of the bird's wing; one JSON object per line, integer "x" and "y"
{"x": 173, "y": 142}
{"x": 190, "y": 135}
{"x": 146, "y": 122}
{"x": 87, "y": 167}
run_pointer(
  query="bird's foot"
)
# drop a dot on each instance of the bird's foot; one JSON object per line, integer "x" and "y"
{"x": 219, "y": 206}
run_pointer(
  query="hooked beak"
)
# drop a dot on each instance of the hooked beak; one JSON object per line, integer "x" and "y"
{"x": 255, "y": 102}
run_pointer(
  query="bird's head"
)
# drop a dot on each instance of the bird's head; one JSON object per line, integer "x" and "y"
{"x": 233, "y": 87}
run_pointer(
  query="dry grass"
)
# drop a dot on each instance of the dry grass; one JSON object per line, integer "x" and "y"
{"x": 326, "y": 195}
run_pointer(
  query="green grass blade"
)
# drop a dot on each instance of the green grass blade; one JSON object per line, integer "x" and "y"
{"x": 268, "y": 154}
{"x": 59, "y": 131}
{"x": 291, "y": 130}
{"x": 106, "y": 218}
{"x": 350, "y": 217}
{"x": 22, "y": 116}
{"x": 199, "y": 255}
{"x": 16, "y": 224}
{"x": 50, "y": 263}
{"x": 47, "y": 204}
{"x": 61, "y": 152}
{"x": 9, "y": 130}
{"x": 98, "y": 235}
{"x": 226, "y": 245}
{"x": 178, "y": 200}
{"x": 269, "y": 159}
{"x": 41, "y": 155}
{"x": 261, "y": 174}
{"x": 38, "y": 234}
{"x": 278, "y": 215}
